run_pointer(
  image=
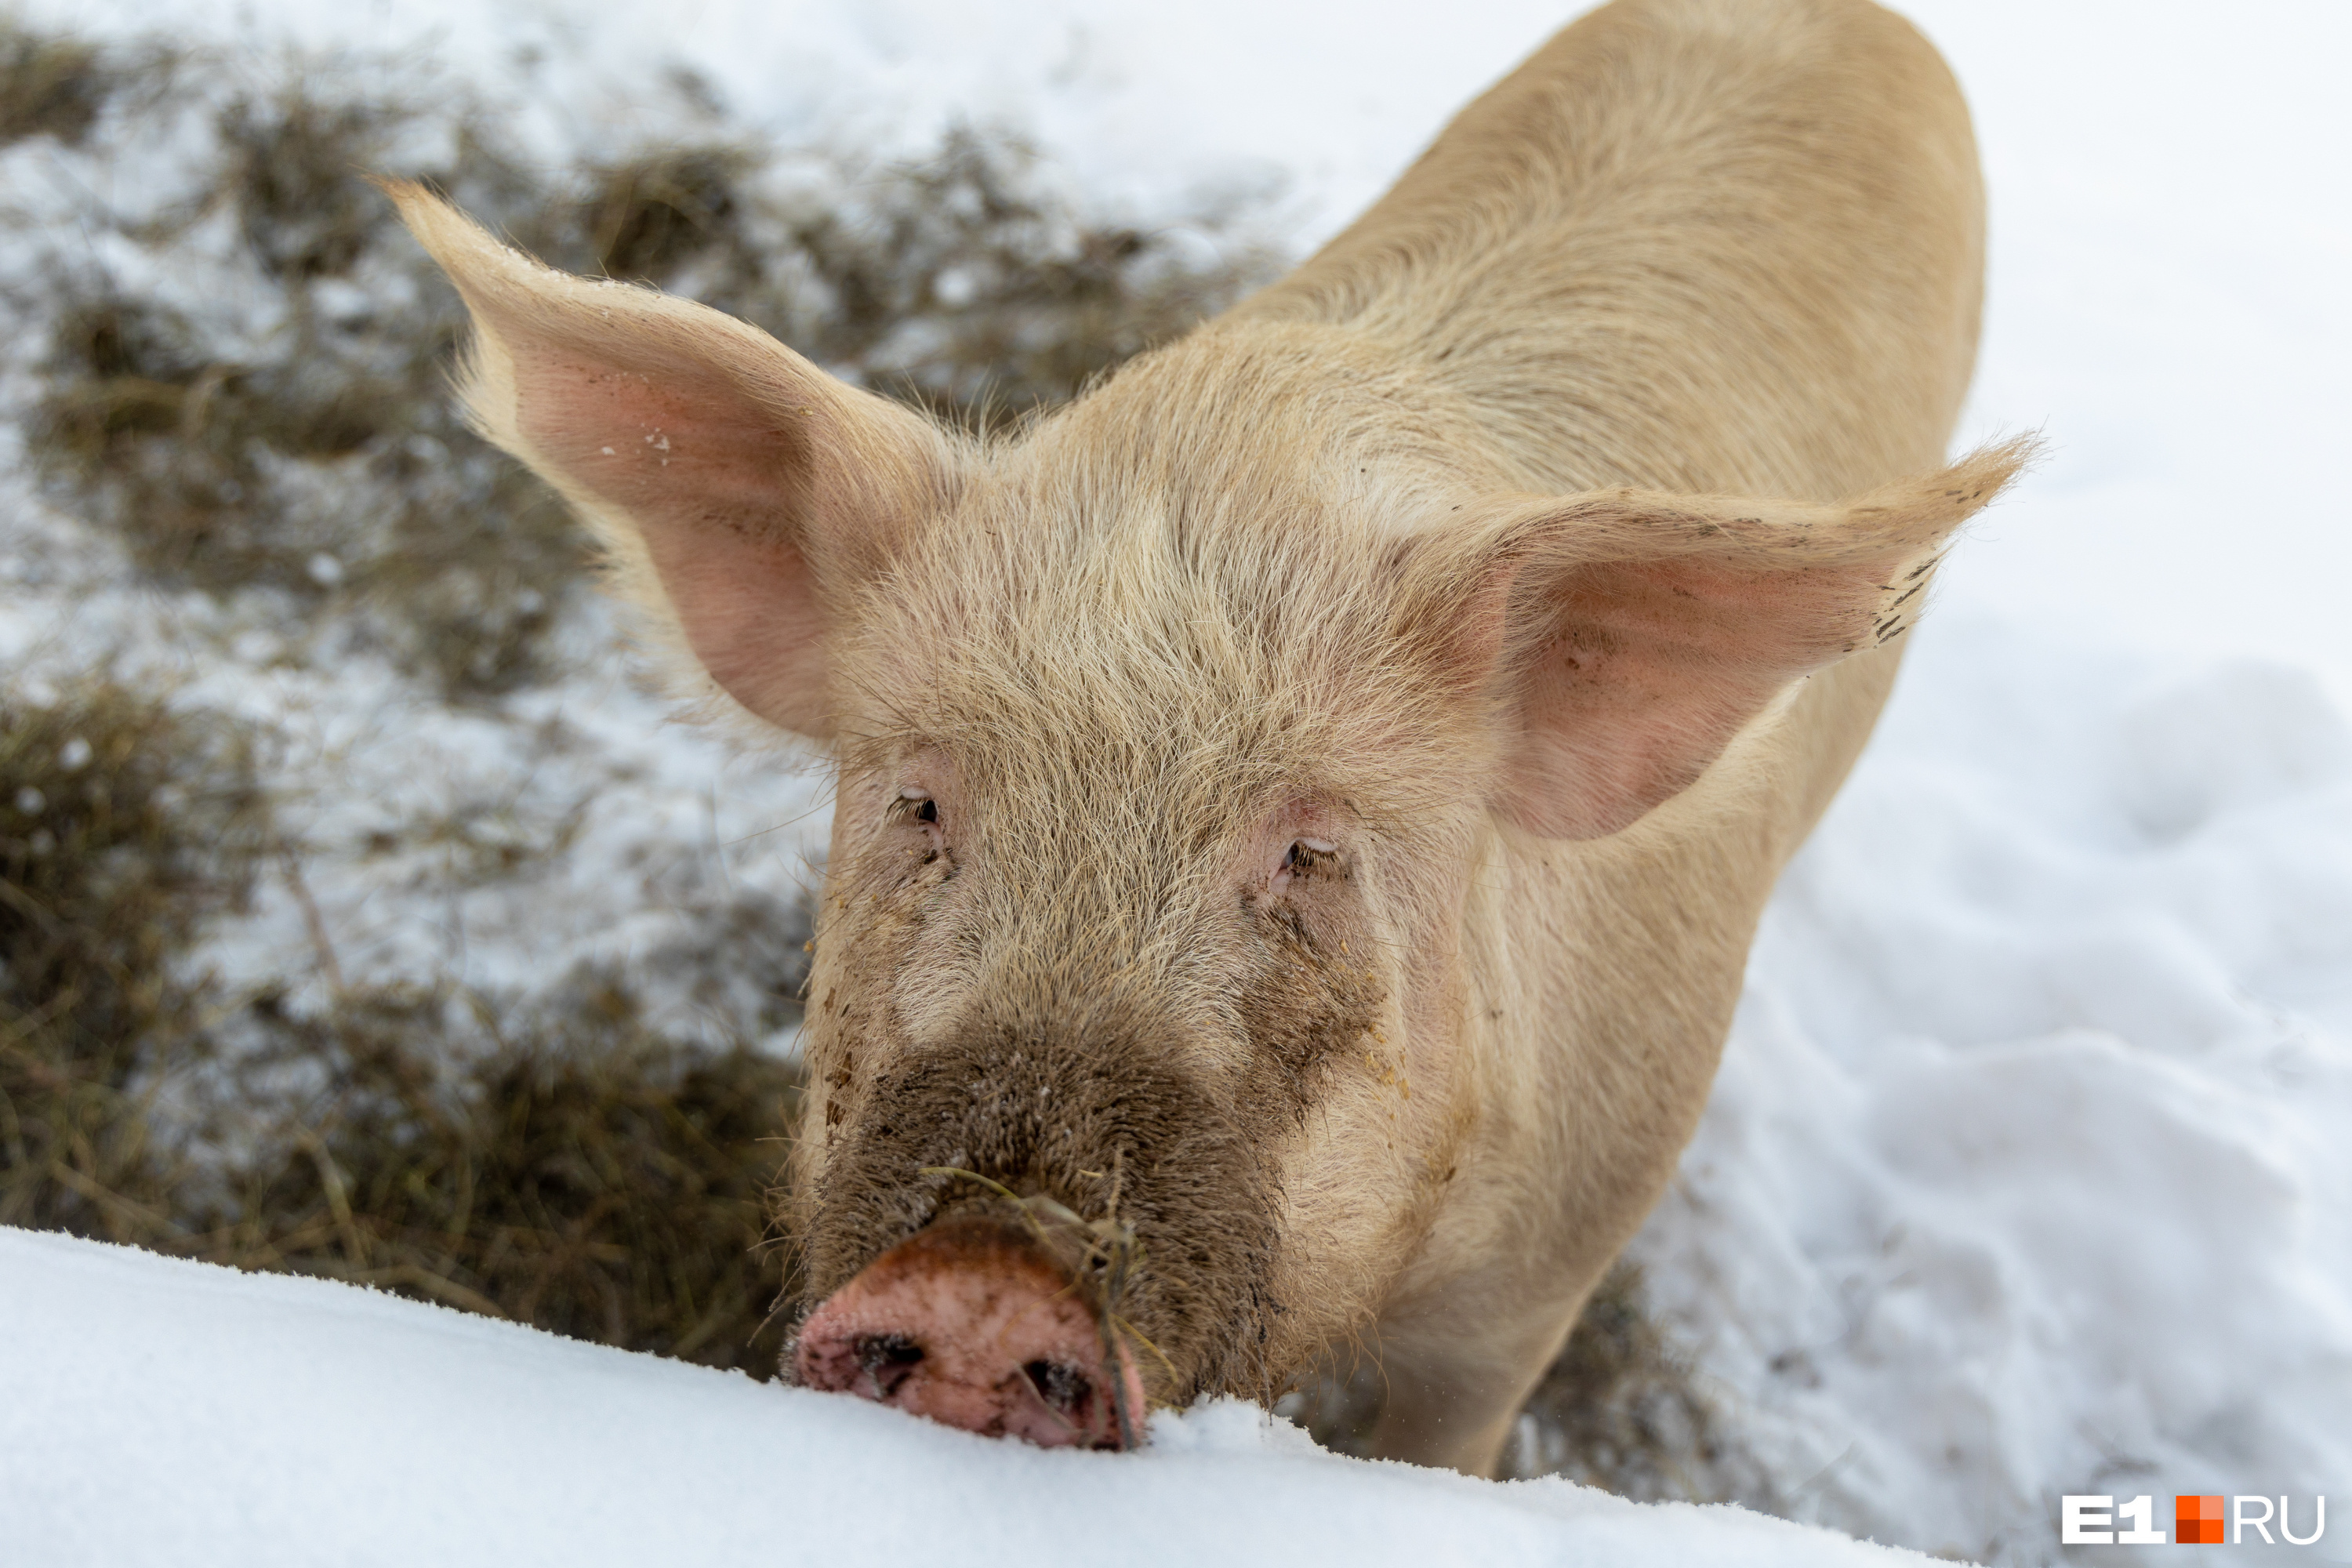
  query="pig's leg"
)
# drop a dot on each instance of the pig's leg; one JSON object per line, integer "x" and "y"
{"x": 1456, "y": 1369}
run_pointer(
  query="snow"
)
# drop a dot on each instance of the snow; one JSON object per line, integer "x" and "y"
{"x": 182, "y": 1413}
{"x": 2027, "y": 1171}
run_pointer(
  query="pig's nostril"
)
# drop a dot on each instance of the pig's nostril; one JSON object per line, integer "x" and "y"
{"x": 888, "y": 1359}
{"x": 1063, "y": 1387}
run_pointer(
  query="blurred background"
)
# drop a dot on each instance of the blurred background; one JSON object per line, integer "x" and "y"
{"x": 363, "y": 914}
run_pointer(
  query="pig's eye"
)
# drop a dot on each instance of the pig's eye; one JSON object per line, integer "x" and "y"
{"x": 917, "y": 805}
{"x": 1304, "y": 855}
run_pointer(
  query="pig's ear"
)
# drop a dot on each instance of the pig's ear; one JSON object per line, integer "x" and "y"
{"x": 1625, "y": 637}
{"x": 741, "y": 494}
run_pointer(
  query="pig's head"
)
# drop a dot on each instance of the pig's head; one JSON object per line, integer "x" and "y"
{"x": 1172, "y": 740}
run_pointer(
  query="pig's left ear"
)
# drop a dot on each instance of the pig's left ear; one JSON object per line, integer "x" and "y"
{"x": 1625, "y": 637}
{"x": 742, "y": 494}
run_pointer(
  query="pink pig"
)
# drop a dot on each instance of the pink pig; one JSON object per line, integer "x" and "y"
{"x": 1302, "y": 807}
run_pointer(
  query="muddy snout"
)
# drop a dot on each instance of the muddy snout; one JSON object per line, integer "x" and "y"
{"x": 972, "y": 1323}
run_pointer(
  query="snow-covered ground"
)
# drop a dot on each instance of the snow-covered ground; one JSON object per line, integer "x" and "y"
{"x": 2029, "y": 1171}
{"x": 180, "y": 1413}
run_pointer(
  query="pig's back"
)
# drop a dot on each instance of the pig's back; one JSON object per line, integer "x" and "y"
{"x": 1701, "y": 244}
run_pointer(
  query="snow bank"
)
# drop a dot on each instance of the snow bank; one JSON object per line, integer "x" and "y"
{"x": 2026, "y": 1173}
{"x": 155, "y": 1411}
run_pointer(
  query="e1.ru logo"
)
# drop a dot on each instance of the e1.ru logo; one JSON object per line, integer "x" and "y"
{"x": 2196, "y": 1522}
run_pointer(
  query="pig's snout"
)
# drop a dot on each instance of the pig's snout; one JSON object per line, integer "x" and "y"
{"x": 971, "y": 1323}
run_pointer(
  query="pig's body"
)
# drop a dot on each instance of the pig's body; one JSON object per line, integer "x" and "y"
{"x": 1304, "y": 807}
{"x": 1710, "y": 246}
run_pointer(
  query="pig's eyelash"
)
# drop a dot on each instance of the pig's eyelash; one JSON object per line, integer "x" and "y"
{"x": 1305, "y": 852}
{"x": 917, "y": 805}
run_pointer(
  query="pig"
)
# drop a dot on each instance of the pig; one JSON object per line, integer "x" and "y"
{"x": 1302, "y": 808}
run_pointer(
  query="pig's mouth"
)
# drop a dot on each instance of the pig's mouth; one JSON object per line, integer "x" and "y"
{"x": 973, "y": 1323}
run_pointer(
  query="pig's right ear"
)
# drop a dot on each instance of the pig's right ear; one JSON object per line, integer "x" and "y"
{"x": 741, "y": 492}
{"x": 1624, "y": 636}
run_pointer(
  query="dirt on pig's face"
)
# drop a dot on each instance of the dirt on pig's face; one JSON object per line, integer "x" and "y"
{"x": 1148, "y": 867}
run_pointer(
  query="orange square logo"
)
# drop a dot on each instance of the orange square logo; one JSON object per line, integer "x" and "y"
{"x": 2196, "y": 1521}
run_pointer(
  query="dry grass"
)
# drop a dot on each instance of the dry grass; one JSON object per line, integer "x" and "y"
{"x": 960, "y": 282}
{"x": 585, "y": 1176}
{"x": 49, "y": 86}
{"x": 302, "y": 441}
{"x": 648, "y": 218}
{"x": 565, "y": 1165}
{"x": 121, "y": 826}
{"x": 311, "y": 452}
